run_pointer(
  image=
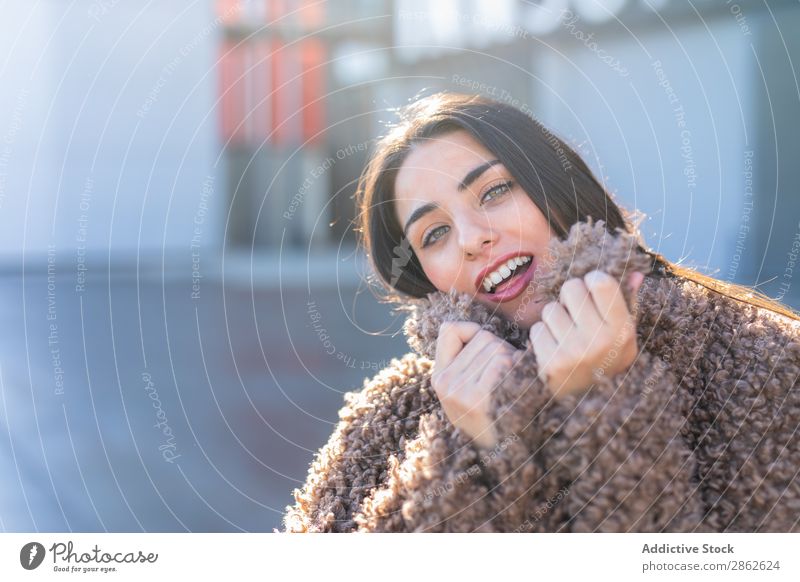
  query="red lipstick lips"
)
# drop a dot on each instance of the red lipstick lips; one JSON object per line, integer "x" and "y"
{"x": 512, "y": 287}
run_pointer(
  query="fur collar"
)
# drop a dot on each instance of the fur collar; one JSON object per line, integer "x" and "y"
{"x": 588, "y": 246}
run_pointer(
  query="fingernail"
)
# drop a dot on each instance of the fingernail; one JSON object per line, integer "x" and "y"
{"x": 635, "y": 281}
{"x": 593, "y": 277}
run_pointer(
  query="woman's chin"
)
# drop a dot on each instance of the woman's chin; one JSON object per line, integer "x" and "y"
{"x": 524, "y": 310}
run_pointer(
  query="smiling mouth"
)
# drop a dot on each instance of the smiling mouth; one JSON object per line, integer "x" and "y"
{"x": 499, "y": 287}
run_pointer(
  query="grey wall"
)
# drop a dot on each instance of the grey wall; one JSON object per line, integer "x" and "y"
{"x": 115, "y": 108}
{"x": 670, "y": 136}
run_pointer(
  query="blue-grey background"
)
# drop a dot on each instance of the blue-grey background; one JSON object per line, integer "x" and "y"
{"x": 123, "y": 316}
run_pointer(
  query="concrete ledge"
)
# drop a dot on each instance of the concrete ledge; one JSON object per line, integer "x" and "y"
{"x": 264, "y": 269}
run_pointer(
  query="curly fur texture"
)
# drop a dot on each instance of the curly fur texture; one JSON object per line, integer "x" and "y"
{"x": 700, "y": 434}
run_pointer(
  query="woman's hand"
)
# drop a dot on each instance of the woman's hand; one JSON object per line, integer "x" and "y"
{"x": 588, "y": 332}
{"x": 470, "y": 361}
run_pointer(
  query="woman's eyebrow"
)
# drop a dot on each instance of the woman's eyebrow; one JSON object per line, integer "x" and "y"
{"x": 475, "y": 173}
{"x": 471, "y": 176}
{"x": 417, "y": 214}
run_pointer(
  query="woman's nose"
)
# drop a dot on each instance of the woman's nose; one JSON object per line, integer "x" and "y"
{"x": 477, "y": 239}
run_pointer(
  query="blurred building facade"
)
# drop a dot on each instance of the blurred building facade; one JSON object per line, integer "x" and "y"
{"x": 139, "y": 142}
{"x": 260, "y": 114}
{"x": 280, "y": 109}
{"x": 674, "y": 106}
{"x": 273, "y": 83}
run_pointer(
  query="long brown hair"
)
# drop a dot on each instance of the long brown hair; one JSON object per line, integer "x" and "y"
{"x": 551, "y": 173}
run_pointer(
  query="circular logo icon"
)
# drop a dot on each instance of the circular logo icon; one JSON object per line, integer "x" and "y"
{"x": 31, "y": 555}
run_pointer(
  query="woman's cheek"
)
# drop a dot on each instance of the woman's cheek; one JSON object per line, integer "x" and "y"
{"x": 443, "y": 282}
{"x": 438, "y": 278}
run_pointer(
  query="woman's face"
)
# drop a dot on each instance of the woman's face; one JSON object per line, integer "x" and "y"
{"x": 471, "y": 226}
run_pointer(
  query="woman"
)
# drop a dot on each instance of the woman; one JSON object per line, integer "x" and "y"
{"x": 564, "y": 378}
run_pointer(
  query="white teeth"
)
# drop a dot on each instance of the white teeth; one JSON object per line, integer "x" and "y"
{"x": 503, "y": 272}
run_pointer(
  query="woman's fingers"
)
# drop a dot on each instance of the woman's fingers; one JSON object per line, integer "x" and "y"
{"x": 558, "y": 321}
{"x": 607, "y": 297}
{"x": 463, "y": 350}
{"x": 579, "y": 334}
{"x": 493, "y": 363}
{"x": 469, "y": 362}
{"x": 575, "y": 297}
{"x": 635, "y": 281}
{"x": 485, "y": 351}
{"x": 453, "y": 335}
{"x": 483, "y": 346}
{"x": 543, "y": 343}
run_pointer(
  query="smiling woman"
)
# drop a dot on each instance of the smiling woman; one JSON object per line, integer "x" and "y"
{"x": 470, "y": 224}
{"x": 547, "y": 170}
{"x": 557, "y": 358}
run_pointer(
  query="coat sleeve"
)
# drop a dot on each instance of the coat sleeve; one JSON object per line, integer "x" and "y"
{"x": 749, "y": 442}
{"x": 439, "y": 486}
{"x": 394, "y": 464}
{"x": 372, "y": 431}
{"x": 609, "y": 459}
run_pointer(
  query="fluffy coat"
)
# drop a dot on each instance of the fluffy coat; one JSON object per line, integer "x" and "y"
{"x": 700, "y": 434}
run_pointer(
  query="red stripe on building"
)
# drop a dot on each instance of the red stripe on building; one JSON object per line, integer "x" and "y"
{"x": 228, "y": 11}
{"x": 261, "y": 86}
{"x": 313, "y": 88}
{"x": 279, "y": 89}
{"x": 232, "y": 91}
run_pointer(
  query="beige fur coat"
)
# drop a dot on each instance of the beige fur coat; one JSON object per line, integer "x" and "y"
{"x": 700, "y": 434}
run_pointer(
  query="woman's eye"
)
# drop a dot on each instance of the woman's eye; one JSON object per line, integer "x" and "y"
{"x": 431, "y": 237}
{"x": 496, "y": 192}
